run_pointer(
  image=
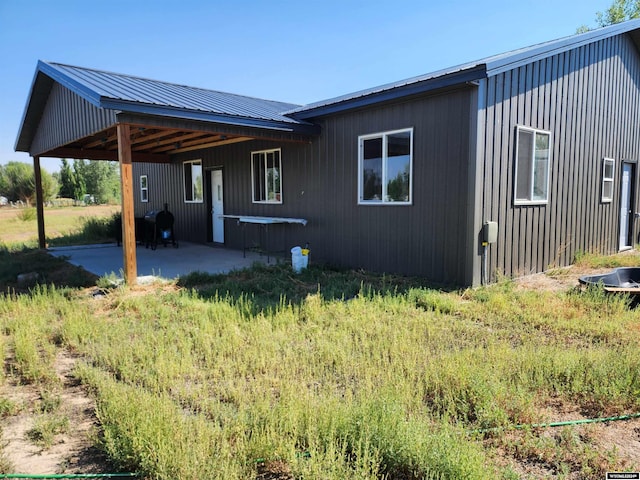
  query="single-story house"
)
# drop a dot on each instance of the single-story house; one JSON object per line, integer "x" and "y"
{"x": 503, "y": 166}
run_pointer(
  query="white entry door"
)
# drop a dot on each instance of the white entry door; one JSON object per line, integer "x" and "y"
{"x": 625, "y": 206}
{"x": 217, "y": 206}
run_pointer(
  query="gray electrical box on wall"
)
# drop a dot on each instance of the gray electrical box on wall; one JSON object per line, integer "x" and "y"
{"x": 490, "y": 232}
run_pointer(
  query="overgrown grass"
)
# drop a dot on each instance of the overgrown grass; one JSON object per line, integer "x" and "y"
{"x": 264, "y": 286}
{"x": 16, "y": 260}
{"x": 34, "y": 342}
{"x": 592, "y": 260}
{"x": 6, "y": 466}
{"x": 46, "y": 428}
{"x": 78, "y": 224}
{"x": 7, "y": 408}
{"x": 92, "y": 230}
{"x": 333, "y": 374}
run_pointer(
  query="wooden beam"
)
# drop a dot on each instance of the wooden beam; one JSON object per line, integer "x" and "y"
{"x": 67, "y": 152}
{"x": 105, "y": 137}
{"x": 128, "y": 222}
{"x": 211, "y": 144}
{"x": 82, "y": 154}
{"x": 42, "y": 243}
{"x": 148, "y": 138}
{"x": 159, "y": 145}
{"x": 173, "y": 145}
{"x": 256, "y": 133}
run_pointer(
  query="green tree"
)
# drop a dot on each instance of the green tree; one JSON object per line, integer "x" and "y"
{"x": 17, "y": 182}
{"x": 80, "y": 186}
{"x": 619, "y": 11}
{"x": 4, "y": 185}
{"x": 98, "y": 178}
{"x": 50, "y": 186}
{"x": 103, "y": 181}
{"x": 67, "y": 180}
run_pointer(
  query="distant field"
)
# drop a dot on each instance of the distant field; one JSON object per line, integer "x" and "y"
{"x": 58, "y": 222}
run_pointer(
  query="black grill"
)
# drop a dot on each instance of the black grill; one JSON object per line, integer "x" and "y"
{"x": 159, "y": 228}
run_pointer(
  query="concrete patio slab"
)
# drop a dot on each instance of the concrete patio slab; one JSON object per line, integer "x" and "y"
{"x": 164, "y": 262}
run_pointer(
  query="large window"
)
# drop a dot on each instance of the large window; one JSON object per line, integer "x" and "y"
{"x": 532, "y": 166}
{"x": 385, "y": 164}
{"x": 144, "y": 189}
{"x": 266, "y": 175}
{"x": 193, "y": 191}
{"x": 608, "y": 168}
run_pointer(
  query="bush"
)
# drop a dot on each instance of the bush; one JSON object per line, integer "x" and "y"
{"x": 27, "y": 214}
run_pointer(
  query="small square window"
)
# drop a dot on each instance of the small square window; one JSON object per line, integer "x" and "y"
{"x": 193, "y": 191}
{"x": 266, "y": 175}
{"x": 144, "y": 189}
{"x": 608, "y": 169}
{"x": 532, "y": 166}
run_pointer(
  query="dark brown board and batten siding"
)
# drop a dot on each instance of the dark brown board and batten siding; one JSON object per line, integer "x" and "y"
{"x": 193, "y": 220}
{"x": 320, "y": 183}
{"x": 68, "y": 117}
{"x": 588, "y": 98}
{"x": 428, "y": 238}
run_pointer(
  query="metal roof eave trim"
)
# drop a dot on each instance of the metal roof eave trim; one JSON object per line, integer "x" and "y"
{"x": 475, "y": 73}
{"x": 54, "y": 74}
{"x": 17, "y": 146}
{"x": 305, "y": 128}
{"x": 75, "y": 86}
{"x": 554, "y": 48}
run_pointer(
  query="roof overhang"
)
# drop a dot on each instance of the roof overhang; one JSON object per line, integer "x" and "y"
{"x": 36, "y": 101}
{"x": 155, "y": 139}
{"x": 177, "y": 123}
{"x": 390, "y": 92}
{"x": 508, "y": 61}
{"x": 123, "y": 107}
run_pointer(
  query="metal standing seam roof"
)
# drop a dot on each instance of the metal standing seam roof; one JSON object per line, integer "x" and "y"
{"x": 466, "y": 72}
{"x": 125, "y": 92}
{"x": 131, "y": 94}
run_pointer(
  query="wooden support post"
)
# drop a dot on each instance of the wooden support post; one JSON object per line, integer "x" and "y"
{"x": 128, "y": 221}
{"x": 42, "y": 241}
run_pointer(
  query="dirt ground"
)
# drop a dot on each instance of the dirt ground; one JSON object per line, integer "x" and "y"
{"x": 621, "y": 438}
{"x": 565, "y": 278}
{"x": 71, "y": 452}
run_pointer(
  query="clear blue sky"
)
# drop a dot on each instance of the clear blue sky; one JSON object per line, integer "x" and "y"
{"x": 299, "y": 51}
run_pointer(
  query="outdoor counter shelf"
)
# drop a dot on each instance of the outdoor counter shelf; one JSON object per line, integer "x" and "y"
{"x": 263, "y": 222}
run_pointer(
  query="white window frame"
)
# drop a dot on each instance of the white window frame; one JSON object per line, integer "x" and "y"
{"x": 516, "y": 200}
{"x": 384, "y": 135}
{"x": 184, "y": 182}
{"x": 144, "y": 190}
{"x": 608, "y": 180}
{"x": 278, "y": 199}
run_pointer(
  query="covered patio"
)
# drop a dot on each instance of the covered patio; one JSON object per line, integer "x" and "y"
{"x": 164, "y": 262}
{"x": 81, "y": 113}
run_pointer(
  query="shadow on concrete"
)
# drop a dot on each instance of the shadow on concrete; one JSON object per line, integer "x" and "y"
{"x": 164, "y": 262}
